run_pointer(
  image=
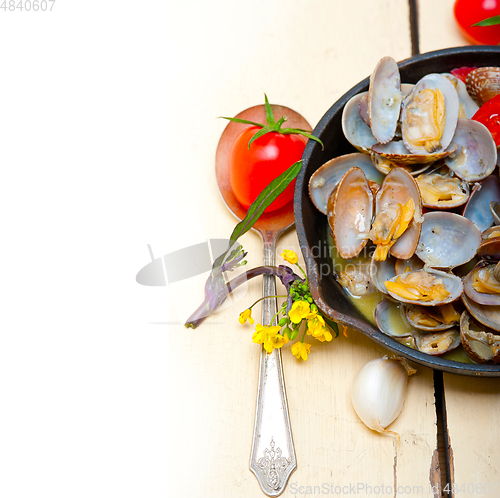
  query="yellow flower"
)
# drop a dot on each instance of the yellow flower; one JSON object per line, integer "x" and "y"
{"x": 246, "y": 315}
{"x": 289, "y": 256}
{"x": 259, "y": 336}
{"x": 325, "y": 335}
{"x": 269, "y": 337}
{"x": 300, "y": 350}
{"x": 317, "y": 328}
{"x": 300, "y": 310}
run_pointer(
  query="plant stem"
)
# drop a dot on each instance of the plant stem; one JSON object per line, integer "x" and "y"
{"x": 204, "y": 309}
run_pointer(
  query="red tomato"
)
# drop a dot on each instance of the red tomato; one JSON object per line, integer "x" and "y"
{"x": 468, "y": 12}
{"x": 462, "y": 72}
{"x": 489, "y": 115}
{"x": 252, "y": 170}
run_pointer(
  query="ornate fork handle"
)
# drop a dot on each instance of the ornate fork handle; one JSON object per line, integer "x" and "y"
{"x": 273, "y": 455}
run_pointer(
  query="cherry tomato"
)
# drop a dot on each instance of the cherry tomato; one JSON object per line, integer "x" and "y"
{"x": 468, "y": 12}
{"x": 489, "y": 115}
{"x": 462, "y": 72}
{"x": 253, "y": 169}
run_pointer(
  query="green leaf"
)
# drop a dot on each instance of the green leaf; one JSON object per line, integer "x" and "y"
{"x": 261, "y": 132}
{"x": 333, "y": 325}
{"x": 298, "y": 131}
{"x": 244, "y": 121}
{"x": 264, "y": 199}
{"x": 269, "y": 112}
{"x": 490, "y": 21}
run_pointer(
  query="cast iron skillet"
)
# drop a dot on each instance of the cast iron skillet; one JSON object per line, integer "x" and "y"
{"x": 312, "y": 227}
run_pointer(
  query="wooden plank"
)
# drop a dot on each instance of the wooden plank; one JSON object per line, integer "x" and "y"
{"x": 473, "y": 416}
{"x": 437, "y": 26}
{"x": 305, "y": 56}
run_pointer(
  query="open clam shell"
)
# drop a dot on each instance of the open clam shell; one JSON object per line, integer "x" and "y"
{"x": 384, "y": 99}
{"x": 390, "y": 321}
{"x": 477, "y": 208}
{"x": 489, "y": 249}
{"x": 397, "y": 152}
{"x": 440, "y": 190}
{"x": 451, "y": 283}
{"x": 385, "y": 165}
{"x": 481, "y": 343}
{"x": 412, "y": 264}
{"x": 447, "y": 240}
{"x": 415, "y": 116}
{"x": 437, "y": 343}
{"x": 380, "y": 271}
{"x": 495, "y": 211}
{"x": 350, "y": 212}
{"x": 326, "y": 177}
{"x": 467, "y": 106}
{"x": 397, "y": 187}
{"x": 485, "y": 298}
{"x": 476, "y": 155}
{"x": 487, "y": 315}
{"x": 419, "y": 318}
{"x": 357, "y": 132}
{"x": 491, "y": 233}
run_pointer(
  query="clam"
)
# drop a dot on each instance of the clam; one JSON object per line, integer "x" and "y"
{"x": 476, "y": 155}
{"x": 384, "y": 99}
{"x": 420, "y": 318}
{"x": 440, "y": 190}
{"x": 489, "y": 249}
{"x": 391, "y": 322}
{"x": 350, "y": 212}
{"x": 436, "y": 343}
{"x": 389, "y": 319}
{"x": 430, "y": 114}
{"x": 477, "y": 208}
{"x": 363, "y": 109}
{"x": 479, "y": 342}
{"x": 385, "y": 164}
{"x": 357, "y": 132}
{"x": 396, "y": 152}
{"x": 483, "y": 83}
{"x": 406, "y": 265}
{"x": 467, "y": 106}
{"x": 447, "y": 240}
{"x": 490, "y": 233}
{"x": 482, "y": 286}
{"x": 398, "y": 215}
{"x": 485, "y": 314}
{"x": 380, "y": 271}
{"x": 495, "y": 211}
{"x": 355, "y": 277}
{"x": 426, "y": 287}
{"x": 326, "y": 177}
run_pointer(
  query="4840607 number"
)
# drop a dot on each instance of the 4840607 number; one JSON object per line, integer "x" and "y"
{"x": 27, "y": 5}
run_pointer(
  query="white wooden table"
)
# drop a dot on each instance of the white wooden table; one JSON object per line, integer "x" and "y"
{"x": 306, "y": 55}
{"x": 109, "y": 124}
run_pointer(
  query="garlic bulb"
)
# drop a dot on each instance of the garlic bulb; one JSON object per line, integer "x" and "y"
{"x": 379, "y": 391}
